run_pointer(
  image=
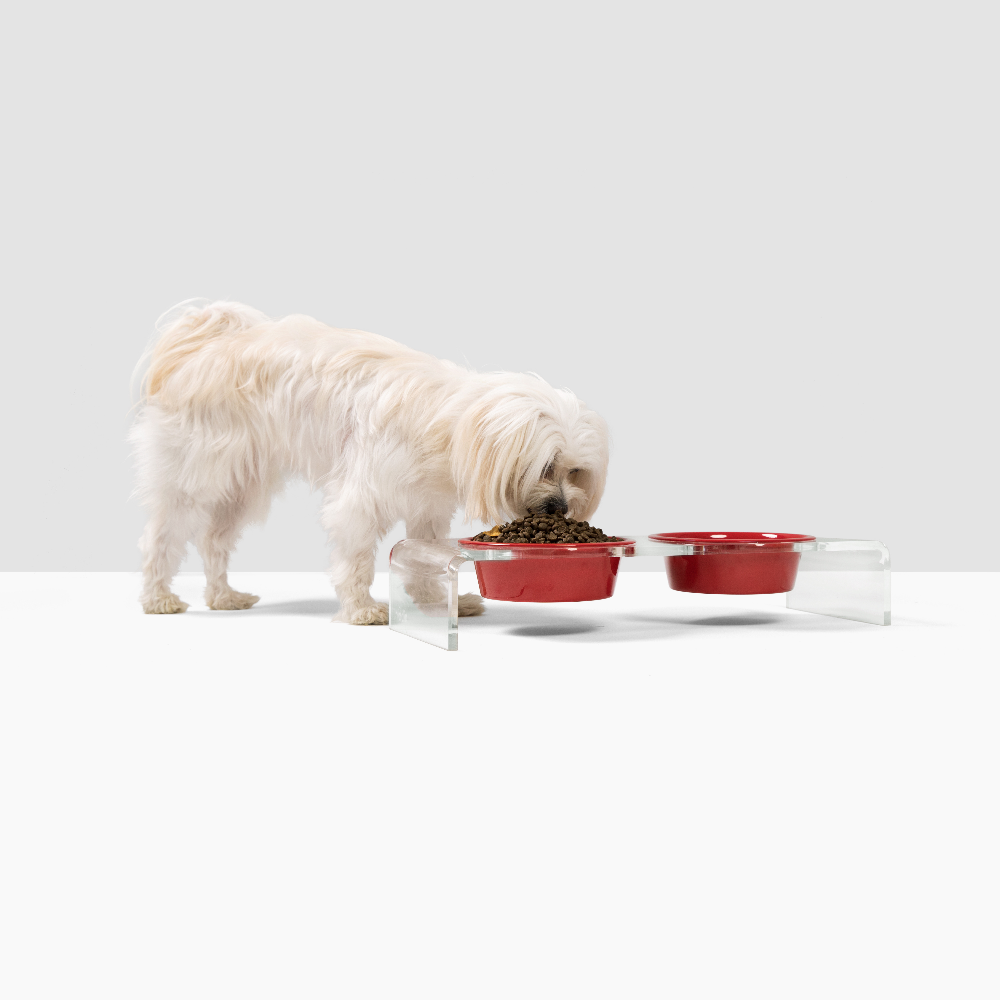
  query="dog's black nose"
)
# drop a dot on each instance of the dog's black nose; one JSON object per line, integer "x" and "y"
{"x": 556, "y": 505}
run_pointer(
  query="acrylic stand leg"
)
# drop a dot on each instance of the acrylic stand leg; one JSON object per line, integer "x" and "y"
{"x": 423, "y": 591}
{"x": 844, "y": 578}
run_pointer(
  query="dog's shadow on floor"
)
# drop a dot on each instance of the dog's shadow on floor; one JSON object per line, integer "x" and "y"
{"x": 569, "y": 625}
{"x": 306, "y": 607}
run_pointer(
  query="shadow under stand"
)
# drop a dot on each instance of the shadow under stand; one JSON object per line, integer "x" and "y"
{"x": 838, "y": 577}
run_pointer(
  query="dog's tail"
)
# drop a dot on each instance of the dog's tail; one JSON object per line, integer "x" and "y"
{"x": 184, "y": 329}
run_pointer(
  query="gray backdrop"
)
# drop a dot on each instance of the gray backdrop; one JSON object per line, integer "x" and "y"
{"x": 761, "y": 239}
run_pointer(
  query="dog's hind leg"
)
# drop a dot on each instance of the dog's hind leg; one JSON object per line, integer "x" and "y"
{"x": 162, "y": 545}
{"x": 215, "y": 544}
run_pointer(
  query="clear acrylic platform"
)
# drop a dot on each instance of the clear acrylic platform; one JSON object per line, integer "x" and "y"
{"x": 839, "y": 577}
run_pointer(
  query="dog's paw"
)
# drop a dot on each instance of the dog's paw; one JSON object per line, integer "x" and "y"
{"x": 469, "y": 605}
{"x": 231, "y": 600}
{"x": 370, "y": 614}
{"x": 168, "y": 604}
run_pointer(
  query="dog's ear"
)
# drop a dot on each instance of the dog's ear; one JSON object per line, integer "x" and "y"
{"x": 591, "y": 482}
{"x": 592, "y": 446}
{"x": 491, "y": 454}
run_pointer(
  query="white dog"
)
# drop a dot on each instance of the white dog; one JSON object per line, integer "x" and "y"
{"x": 234, "y": 404}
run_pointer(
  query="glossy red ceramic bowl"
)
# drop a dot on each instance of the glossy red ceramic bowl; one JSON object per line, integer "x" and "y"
{"x": 554, "y": 572}
{"x": 734, "y": 562}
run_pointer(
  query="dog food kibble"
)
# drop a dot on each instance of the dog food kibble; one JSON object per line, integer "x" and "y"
{"x": 550, "y": 528}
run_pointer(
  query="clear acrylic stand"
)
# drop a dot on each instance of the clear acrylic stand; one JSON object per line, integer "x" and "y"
{"x": 839, "y": 577}
{"x": 843, "y": 578}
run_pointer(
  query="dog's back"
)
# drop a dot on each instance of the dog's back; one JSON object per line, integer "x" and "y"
{"x": 234, "y": 402}
{"x": 225, "y": 352}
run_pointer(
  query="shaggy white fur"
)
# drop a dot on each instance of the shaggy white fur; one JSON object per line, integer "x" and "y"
{"x": 234, "y": 404}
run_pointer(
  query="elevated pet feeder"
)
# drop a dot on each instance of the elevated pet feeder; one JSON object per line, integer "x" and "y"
{"x": 839, "y": 577}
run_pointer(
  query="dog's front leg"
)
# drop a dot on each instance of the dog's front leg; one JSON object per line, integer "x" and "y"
{"x": 353, "y": 572}
{"x": 354, "y": 533}
{"x": 425, "y": 593}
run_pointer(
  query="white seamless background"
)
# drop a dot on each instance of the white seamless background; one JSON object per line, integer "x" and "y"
{"x": 760, "y": 239}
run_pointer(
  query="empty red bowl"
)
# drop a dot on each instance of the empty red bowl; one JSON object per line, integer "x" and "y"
{"x": 734, "y": 562}
{"x": 554, "y": 572}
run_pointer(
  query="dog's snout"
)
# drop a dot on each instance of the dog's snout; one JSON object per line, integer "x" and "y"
{"x": 556, "y": 505}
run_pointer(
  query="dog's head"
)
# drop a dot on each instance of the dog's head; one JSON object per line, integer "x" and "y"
{"x": 525, "y": 448}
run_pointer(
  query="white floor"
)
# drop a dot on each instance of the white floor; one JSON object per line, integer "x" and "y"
{"x": 658, "y": 795}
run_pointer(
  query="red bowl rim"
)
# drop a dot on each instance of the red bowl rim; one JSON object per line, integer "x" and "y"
{"x": 731, "y": 537}
{"x": 473, "y": 544}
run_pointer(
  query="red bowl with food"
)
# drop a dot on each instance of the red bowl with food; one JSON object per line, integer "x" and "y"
{"x": 734, "y": 562}
{"x": 585, "y": 571}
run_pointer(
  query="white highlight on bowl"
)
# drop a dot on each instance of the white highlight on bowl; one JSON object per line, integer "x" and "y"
{"x": 718, "y": 536}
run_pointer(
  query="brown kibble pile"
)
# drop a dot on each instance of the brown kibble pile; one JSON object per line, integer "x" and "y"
{"x": 541, "y": 528}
